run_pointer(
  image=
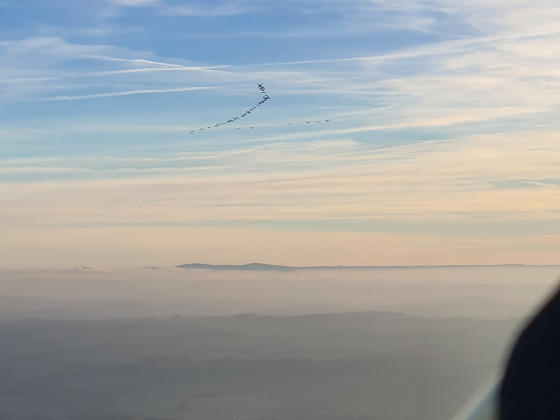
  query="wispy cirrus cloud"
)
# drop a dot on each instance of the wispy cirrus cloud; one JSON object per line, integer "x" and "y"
{"x": 135, "y": 3}
{"x": 451, "y": 56}
{"x": 129, "y": 92}
{"x": 204, "y": 10}
{"x": 461, "y": 180}
{"x": 442, "y": 113}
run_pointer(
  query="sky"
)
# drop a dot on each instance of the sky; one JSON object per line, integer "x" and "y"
{"x": 413, "y": 132}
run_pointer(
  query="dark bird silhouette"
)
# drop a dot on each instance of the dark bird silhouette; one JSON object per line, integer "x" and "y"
{"x": 265, "y": 97}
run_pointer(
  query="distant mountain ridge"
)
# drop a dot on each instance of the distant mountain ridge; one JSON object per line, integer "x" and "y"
{"x": 271, "y": 267}
{"x": 248, "y": 267}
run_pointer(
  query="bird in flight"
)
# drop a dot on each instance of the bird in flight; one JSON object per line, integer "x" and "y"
{"x": 248, "y": 111}
{"x": 265, "y": 98}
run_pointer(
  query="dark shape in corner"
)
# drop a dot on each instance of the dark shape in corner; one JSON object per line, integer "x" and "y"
{"x": 530, "y": 388}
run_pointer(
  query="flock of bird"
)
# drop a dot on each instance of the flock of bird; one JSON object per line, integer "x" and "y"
{"x": 265, "y": 98}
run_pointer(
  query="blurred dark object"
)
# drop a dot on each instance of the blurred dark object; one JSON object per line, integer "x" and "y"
{"x": 530, "y": 388}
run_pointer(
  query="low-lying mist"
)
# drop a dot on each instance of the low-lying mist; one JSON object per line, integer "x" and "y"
{"x": 192, "y": 344}
{"x": 477, "y": 291}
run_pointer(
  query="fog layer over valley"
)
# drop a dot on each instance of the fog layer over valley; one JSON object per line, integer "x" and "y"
{"x": 171, "y": 344}
{"x": 476, "y": 291}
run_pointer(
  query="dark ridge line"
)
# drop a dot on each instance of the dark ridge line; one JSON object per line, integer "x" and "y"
{"x": 272, "y": 267}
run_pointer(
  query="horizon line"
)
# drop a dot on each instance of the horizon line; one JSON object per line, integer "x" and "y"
{"x": 257, "y": 265}
{"x": 272, "y": 267}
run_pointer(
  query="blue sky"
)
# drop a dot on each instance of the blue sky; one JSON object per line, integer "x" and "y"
{"x": 441, "y": 145}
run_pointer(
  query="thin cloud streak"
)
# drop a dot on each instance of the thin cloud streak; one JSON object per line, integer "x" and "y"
{"x": 143, "y": 62}
{"x": 425, "y": 181}
{"x": 130, "y": 92}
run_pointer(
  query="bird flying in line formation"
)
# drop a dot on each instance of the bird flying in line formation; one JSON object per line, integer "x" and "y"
{"x": 265, "y": 98}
